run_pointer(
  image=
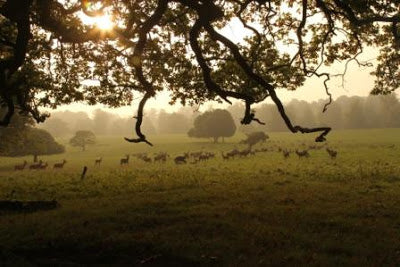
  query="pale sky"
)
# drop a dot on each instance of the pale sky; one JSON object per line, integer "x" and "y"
{"x": 358, "y": 82}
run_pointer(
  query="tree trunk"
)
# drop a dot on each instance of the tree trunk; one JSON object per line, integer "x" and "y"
{"x": 83, "y": 147}
{"x": 35, "y": 158}
{"x": 223, "y": 139}
{"x": 215, "y": 139}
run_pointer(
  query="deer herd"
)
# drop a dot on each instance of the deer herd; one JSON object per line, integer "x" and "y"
{"x": 40, "y": 165}
{"x": 190, "y": 157}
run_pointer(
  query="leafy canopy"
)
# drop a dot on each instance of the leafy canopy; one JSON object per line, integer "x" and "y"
{"x": 213, "y": 124}
{"x": 82, "y": 139}
{"x": 46, "y": 51}
{"x": 22, "y": 139}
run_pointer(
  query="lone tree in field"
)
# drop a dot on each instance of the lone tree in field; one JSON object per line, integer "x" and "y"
{"x": 254, "y": 138}
{"x": 22, "y": 139}
{"x": 46, "y": 51}
{"x": 213, "y": 124}
{"x": 82, "y": 139}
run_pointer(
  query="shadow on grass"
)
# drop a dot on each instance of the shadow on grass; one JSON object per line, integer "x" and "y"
{"x": 15, "y": 206}
{"x": 70, "y": 255}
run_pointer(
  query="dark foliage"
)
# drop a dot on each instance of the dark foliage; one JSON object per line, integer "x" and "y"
{"x": 21, "y": 139}
{"x": 213, "y": 124}
{"x": 46, "y": 51}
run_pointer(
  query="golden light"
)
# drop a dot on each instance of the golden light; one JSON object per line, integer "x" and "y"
{"x": 104, "y": 22}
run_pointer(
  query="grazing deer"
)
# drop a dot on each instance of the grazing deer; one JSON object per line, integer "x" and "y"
{"x": 202, "y": 157}
{"x": 161, "y": 157}
{"x": 124, "y": 161}
{"x": 233, "y": 153}
{"x": 98, "y": 161}
{"x": 43, "y": 166}
{"x": 59, "y": 165}
{"x": 332, "y": 153}
{"x": 20, "y": 167}
{"x": 245, "y": 153}
{"x": 180, "y": 160}
{"x": 286, "y": 153}
{"x": 303, "y": 153}
{"x": 225, "y": 157}
{"x": 146, "y": 159}
{"x": 35, "y": 166}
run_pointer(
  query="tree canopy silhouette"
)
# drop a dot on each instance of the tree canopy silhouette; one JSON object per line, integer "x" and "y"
{"x": 21, "y": 139}
{"x": 213, "y": 124}
{"x": 46, "y": 51}
{"x": 82, "y": 139}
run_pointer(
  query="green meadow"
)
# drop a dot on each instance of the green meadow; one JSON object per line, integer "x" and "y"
{"x": 260, "y": 210}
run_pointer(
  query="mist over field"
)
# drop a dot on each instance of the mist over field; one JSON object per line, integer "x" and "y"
{"x": 344, "y": 113}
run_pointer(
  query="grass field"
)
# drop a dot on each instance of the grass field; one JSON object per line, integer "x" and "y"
{"x": 261, "y": 210}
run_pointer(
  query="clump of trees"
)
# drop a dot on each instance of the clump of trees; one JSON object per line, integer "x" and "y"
{"x": 82, "y": 139}
{"x": 22, "y": 139}
{"x": 213, "y": 124}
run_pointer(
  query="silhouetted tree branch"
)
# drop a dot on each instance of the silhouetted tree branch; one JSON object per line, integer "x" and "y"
{"x": 177, "y": 44}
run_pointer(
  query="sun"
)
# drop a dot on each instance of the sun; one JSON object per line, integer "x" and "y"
{"x": 104, "y": 23}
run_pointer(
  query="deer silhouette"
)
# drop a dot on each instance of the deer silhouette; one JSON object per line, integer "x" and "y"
{"x": 332, "y": 153}
{"x": 146, "y": 159}
{"x": 180, "y": 160}
{"x": 98, "y": 161}
{"x": 35, "y": 166}
{"x": 285, "y": 153}
{"x": 233, "y": 153}
{"x": 161, "y": 157}
{"x": 59, "y": 165}
{"x": 43, "y": 166}
{"x": 225, "y": 157}
{"x": 124, "y": 161}
{"x": 303, "y": 153}
{"x": 20, "y": 166}
{"x": 246, "y": 152}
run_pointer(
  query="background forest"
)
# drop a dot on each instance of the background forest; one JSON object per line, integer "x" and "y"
{"x": 344, "y": 113}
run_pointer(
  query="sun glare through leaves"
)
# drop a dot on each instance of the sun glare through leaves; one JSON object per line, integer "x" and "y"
{"x": 104, "y": 22}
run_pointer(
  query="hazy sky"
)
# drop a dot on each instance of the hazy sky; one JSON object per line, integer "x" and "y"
{"x": 358, "y": 82}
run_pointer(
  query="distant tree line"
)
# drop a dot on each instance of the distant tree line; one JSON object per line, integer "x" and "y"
{"x": 345, "y": 113}
{"x": 67, "y": 123}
